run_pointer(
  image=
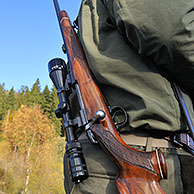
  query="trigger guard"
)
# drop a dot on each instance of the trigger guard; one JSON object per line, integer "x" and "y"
{"x": 116, "y": 110}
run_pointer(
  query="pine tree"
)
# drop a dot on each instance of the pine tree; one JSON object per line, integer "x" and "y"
{"x": 21, "y": 96}
{"x": 2, "y": 102}
{"x": 10, "y": 103}
{"x": 49, "y": 105}
{"x": 55, "y": 100}
{"x": 24, "y": 97}
{"x": 47, "y": 101}
{"x": 27, "y": 96}
{"x": 36, "y": 97}
{"x": 54, "y": 103}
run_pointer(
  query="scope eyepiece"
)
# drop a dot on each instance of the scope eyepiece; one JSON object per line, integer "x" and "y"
{"x": 57, "y": 71}
{"x": 56, "y": 64}
{"x": 77, "y": 164}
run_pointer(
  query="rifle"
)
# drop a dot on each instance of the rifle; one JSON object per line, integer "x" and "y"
{"x": 137, "y": 171}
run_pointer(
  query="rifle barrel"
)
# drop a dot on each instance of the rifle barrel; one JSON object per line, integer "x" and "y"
{"x": 184, "y": 109}
{"x": 57, "y": 9}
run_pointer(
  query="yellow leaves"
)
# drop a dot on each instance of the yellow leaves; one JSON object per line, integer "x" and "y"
{"x": 28, "y": 126}
{"x": 32, "y": 161}
{"x": 47, "y": 176}
{"x": 11, "y": 170}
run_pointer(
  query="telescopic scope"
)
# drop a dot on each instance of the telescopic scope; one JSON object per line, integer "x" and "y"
{"x": 58, "y": 74}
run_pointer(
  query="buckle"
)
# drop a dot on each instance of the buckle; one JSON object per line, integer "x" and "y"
{"x": 185, "y": 141}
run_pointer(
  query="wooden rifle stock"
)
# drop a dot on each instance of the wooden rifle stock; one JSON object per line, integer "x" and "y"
{"x": 137, "y": 171}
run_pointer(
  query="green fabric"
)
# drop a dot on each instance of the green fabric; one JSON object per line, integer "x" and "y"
{"x": 187, "y": 173}
{"x": 102, "y": 173}
{"x": 126, "y": 78}
{"x": 160, "y": 30}
{"x": 173, "y": 183}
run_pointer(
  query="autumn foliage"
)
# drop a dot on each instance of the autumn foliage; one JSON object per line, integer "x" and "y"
{"x": 30, "y": 156}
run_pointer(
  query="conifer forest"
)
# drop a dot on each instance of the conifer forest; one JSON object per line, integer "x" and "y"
{"x": 31, "y": 141}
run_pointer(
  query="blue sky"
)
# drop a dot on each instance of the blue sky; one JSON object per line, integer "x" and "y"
{"x": 29, "y": 38}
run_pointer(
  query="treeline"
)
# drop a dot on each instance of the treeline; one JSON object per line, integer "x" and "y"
{"x": 47, "y": 100}
{"x": 31, "y": 142}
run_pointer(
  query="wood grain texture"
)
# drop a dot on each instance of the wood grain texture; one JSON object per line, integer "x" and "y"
{"x": 137, "y": 171}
